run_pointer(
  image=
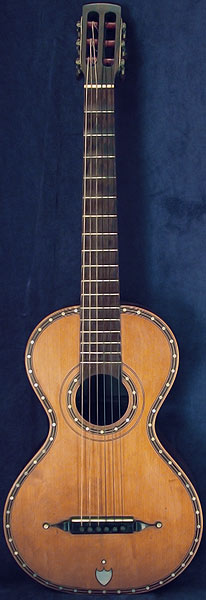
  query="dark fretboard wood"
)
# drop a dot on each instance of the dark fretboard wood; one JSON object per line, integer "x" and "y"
{"x": 100, "y": 300}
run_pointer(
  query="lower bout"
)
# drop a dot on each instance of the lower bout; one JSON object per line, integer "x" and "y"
{"x": 95, "y": 562}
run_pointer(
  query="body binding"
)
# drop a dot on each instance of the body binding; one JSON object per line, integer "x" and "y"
{"x": 150, "y": 485}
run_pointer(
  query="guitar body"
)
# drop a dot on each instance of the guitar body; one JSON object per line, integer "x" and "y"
{"x": 123, "y": 471}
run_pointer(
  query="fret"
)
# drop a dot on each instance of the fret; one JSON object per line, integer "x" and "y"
{"x": 102, "y": 353}
{"x": 99, "y": 197}
{"x": 98, "y": 343}
{"x": 97, "y": 362}
{"x": 102, "y": 233}
{"x": 101, "y": 331}
{"x": 102, "y": 294}
{"x": 99, "y": 156}
{"x": 99, "y": 216}
{"x": 102, "y": 250}
{"x": 100, "y": 280}
{"x": 99, "y": 177}
{"x": 95, "y": 266}
{"x": 97, "y": 319}
{"x": 98, "y": 111}
{"x": 99, "y": 134}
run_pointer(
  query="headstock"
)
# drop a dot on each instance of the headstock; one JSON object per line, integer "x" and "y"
{"x": 101, "y": 43}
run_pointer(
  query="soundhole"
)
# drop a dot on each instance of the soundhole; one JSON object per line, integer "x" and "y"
{"x": 103, "y": 401}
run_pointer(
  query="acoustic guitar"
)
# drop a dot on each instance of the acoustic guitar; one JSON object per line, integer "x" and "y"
{"x": 102, "y": 507}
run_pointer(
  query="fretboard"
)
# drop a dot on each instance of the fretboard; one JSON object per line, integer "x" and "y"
{"x": 100, "y": 300}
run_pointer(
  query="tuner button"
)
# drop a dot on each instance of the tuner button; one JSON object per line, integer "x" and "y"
{"x": 78, "y": 61}
{"x": 78, "y": 24}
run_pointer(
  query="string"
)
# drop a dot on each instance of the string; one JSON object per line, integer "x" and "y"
{"x": 83, "y": 294}
{"x": 97, "y": 276}
{"x": 90, "y": 285}
{"x": 109, "y": 95}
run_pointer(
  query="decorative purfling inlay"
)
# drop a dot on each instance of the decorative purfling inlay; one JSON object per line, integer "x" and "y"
{"x": 151, "y": 434}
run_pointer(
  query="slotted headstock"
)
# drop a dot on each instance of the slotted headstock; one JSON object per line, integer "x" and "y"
{"x": 101, "y": 43}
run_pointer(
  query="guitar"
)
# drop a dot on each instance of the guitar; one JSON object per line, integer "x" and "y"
{"x": 102, "y": 507}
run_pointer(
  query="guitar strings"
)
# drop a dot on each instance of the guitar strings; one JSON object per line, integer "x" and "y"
{"x": 104, "y": 357}
{"x": 97, "y": 275}
{"x": 90, "y": 290}
{"x": 83, "y": 297}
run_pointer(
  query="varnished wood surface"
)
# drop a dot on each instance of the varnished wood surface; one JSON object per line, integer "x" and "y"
{"x": 139, "y": 482}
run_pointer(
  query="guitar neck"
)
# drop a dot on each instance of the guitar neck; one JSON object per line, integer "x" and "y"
{"x": 100, "y": 300}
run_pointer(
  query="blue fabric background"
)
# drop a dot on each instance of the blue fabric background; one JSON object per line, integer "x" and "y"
{"x": 161, "y": 166}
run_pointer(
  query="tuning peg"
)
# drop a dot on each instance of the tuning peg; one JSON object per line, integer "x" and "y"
{"x": 124, "y": 29}
{"x": 78, "y": 72}
{"x": 78, "y": 25}
{"x": 122, "y": 67}
{"x": 78, "y": 43}
{"x": 123, "y": 49}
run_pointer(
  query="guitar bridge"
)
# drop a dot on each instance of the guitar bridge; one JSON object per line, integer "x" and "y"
{"x": 102, "y": 525}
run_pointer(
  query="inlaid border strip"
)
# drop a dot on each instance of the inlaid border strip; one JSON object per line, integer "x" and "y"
{"x": 142, "y": 313}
